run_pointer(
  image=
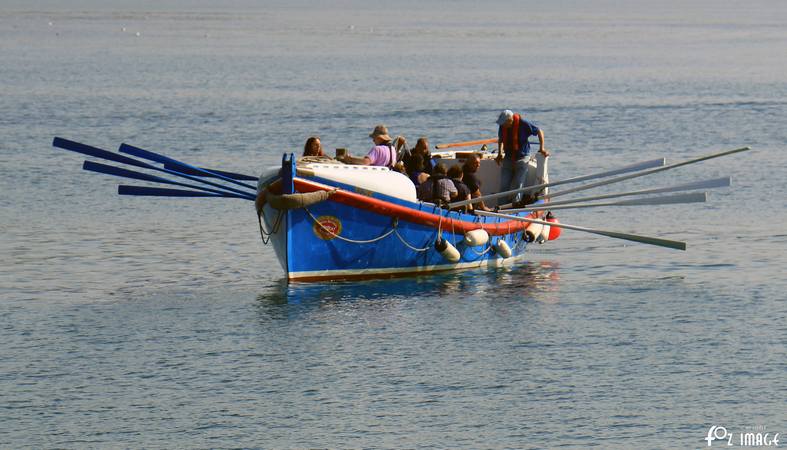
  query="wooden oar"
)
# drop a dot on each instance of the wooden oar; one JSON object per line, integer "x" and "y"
{"x": 203, "y": 172}
{"x": 650, "y": 172}
{"x": 630, "y": 168}
{"x": 600, "y": 183}
{"x": 163, "y": 192}
{"x": 613, "y": 234}
{"x": 125, "y": 173}
{"x": 466, "y": 143}
{"x": 146, "y": 154}
{"x": 693, "y": 186}
{"x": 84, "y": 149}
{"x": 696, "y": 197}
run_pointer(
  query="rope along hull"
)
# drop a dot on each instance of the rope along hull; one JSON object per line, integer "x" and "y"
{"x": 369, "y": 235}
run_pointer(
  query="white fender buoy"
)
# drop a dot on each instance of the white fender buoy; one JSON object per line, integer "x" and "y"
{"x": 449, "y": 252}
{"x": 474, "y": 238}
{"x": 544, "y": 236}
{"x": 533, "y": 231}
{"x": 502, "y": 248}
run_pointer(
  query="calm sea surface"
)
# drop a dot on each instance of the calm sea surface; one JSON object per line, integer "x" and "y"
{"x": 165, "y": 323}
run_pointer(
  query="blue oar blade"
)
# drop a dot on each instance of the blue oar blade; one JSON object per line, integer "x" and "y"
{"x": 202, "y": 172}
{"x": 142, "y": 153}
{"x": 96, "y": 152}
{"x": 162, "y": 192}
{"x": 120, "y": 172}
{"x": 104, "y": 154}
{"x": 146, "y": 154}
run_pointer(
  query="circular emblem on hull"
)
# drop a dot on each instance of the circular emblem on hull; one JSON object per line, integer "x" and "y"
{"x": 331, "y": 227}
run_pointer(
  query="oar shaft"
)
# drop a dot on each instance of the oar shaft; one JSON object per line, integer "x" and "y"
{"x": 600, "y": 183}
{"x": 147, "y": 154}
{"x": 203, "y": 172}
{"x": 125, "y": 173}
{"x": 697, "y": 185}
{"x": 630, "y": 168}
{"x": 84, "y": 149}
{"x": 701, "y": 197}
{"x": 163, "y": 192}
{"x": 650, "y": 172}
{"x": 613, "y": 234}
{"x": 89, "y": 150}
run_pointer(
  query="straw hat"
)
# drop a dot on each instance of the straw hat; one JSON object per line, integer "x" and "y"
{"x": 380, "y": 132}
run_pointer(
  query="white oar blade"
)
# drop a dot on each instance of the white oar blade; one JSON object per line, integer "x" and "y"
{"x": 693, "y": 186}
{"x": 613, "y": 234}
{"x": 650, "y": 171}
{"x": 658, "y": 162}
{"x": 695, "y": 197}
{"x": 677, "y": 245}
{"x": 626, "y": 169}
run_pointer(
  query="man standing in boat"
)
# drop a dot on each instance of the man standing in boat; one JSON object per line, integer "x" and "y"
{"x": 382, "y": 153}
{"x": 512, "y": 136}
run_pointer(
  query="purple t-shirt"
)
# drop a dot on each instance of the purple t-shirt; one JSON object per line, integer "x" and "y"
{"x": 381, "y": 155}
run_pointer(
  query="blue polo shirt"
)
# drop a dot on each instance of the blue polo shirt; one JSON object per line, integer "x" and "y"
{"x": 526, "y": 129}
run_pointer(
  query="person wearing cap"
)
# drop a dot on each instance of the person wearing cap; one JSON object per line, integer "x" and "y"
{"x": 513, "y": 149}
{"x": 382, "y": 153}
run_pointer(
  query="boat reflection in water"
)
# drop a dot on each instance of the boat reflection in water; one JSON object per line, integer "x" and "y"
{"x": 528, "y": 281}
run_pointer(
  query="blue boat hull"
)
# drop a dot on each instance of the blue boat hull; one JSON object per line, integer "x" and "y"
{"x": 331, "y": 240}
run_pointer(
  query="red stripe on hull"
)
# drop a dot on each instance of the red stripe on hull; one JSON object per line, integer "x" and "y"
{"x": 411, "y": 215}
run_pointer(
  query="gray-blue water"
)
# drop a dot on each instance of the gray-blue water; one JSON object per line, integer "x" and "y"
{"x": 165, "y": 323}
